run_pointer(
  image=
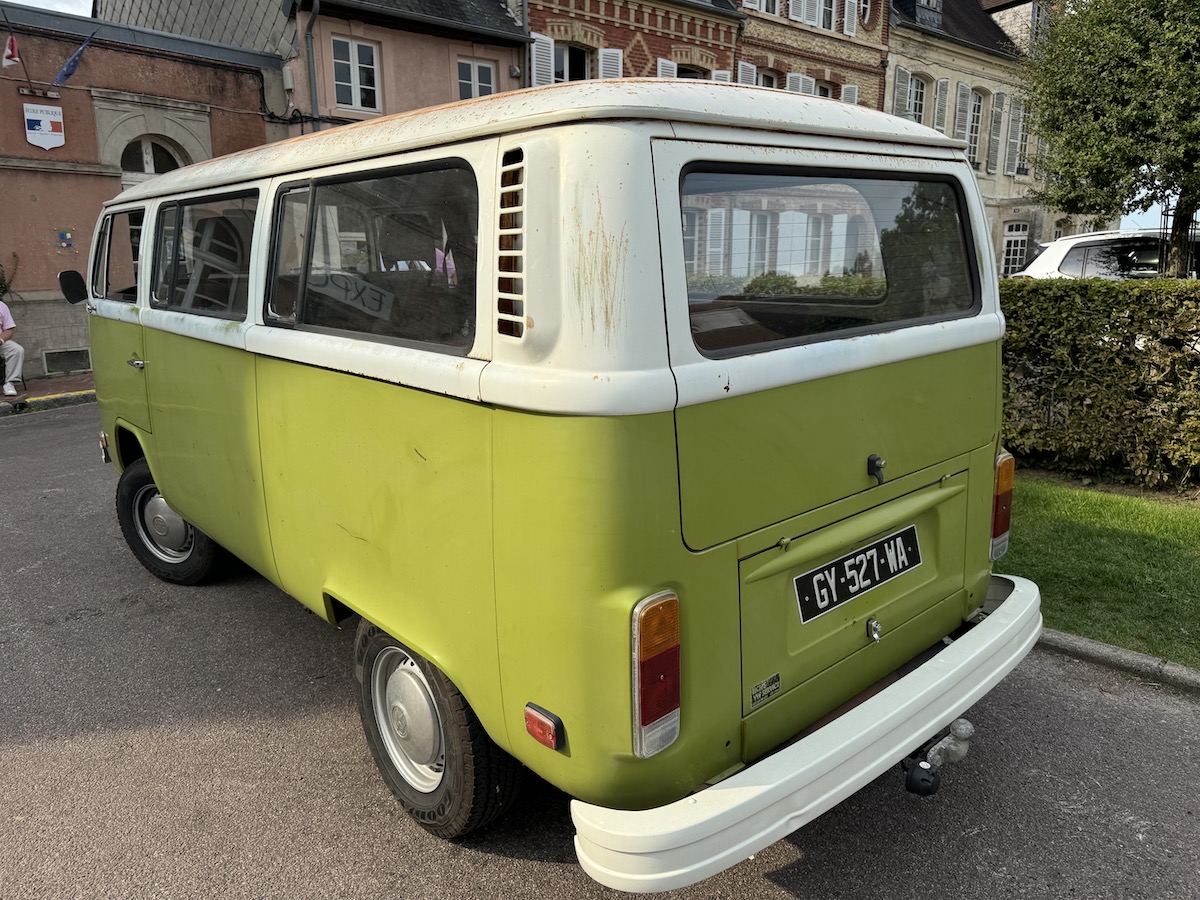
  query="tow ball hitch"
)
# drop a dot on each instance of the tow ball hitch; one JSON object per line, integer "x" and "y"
{"x": 921, "y": 770}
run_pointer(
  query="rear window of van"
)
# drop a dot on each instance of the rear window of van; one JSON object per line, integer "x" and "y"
{"x": 775, "y": 258}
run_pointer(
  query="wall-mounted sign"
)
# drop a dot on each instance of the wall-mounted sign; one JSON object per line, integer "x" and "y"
{"x": 44, "y": 126}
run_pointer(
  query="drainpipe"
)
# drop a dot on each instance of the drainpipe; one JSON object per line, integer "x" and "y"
{"x": 312, "y": 66}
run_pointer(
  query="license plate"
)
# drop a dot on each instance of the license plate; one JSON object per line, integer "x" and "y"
{"x": 841, "y": 580}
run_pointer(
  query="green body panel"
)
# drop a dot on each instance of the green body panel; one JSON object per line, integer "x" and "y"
{"x": 752, "y": 460}
{"x": 511, "y": 547}
{"x": 586, "y": 525}
{"x": 380, "y": 497}
{"x": 206, "y": 460}
{"x": 120, "y": 388}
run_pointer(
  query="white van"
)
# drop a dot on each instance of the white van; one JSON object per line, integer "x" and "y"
{"x": 646, "y": 431}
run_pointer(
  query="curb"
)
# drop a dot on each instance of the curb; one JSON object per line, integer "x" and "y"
{"x": 54, "y": 401}
{"x": 1151, "y": 668}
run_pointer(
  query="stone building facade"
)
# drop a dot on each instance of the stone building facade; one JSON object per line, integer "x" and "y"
{"x": 955, "y": 70}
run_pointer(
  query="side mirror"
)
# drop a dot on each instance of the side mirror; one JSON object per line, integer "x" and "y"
{"x": 73, "y": 287}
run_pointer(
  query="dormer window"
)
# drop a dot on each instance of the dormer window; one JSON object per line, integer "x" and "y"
{"x": 929, "y": 13}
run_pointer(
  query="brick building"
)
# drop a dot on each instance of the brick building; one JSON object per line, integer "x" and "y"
{"x": 831, "y": 48}
{"x": 347, "y": 60}
{"x": 139, "y": 102}
{"x": 580, "y": 39}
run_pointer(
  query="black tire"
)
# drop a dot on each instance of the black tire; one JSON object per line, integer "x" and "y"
{"x": 427, "y": 742}
{"x": 164, "y": 542}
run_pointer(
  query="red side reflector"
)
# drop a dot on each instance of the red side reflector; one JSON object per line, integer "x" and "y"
{"x": 545, "y": 726}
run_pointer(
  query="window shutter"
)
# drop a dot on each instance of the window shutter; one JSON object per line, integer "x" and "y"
{"x": 612, "y": 62}
{"x": 801, "y": 84}
{"x": 721, "y": 75}
{"x": 796, "y": 10}
{"x": 747, "y": 73}
{"x": 900, "y": 101}
{"x": 962, "y": 111}
{"x": 850, "y": 17}
{"x": 715, "y": 244}
{"x": 751, "y": 4}
{"x": 850, "y": 94}
{"x": 940, "y": 103}
{"x": 667, "y": 68}
{"x": 993, "y": 154}
{"x": 812, "y": 11}
{"x": 541, "y": 60}
{"x": 1015, "y": 124}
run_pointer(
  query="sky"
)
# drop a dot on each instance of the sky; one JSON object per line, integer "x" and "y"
{"x": 74, "y": 7}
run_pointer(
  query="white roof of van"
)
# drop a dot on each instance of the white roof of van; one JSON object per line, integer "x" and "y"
{"x": 680, "y": 100}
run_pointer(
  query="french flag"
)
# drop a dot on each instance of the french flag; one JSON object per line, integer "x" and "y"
{"x": 53, "y": 126}
{"x": 11, "y": 57}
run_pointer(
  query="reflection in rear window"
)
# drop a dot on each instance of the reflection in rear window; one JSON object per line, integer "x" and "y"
{"x": 777, "y": 258}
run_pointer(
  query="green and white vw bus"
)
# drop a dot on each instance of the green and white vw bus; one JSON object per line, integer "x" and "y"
{"x": 647, "y": 430}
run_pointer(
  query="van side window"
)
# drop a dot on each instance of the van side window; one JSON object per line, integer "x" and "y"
{"x": 779, "y": 257}
{"x": 390, "y": 257}
{"x": 116, "y": 274}
{"x": 202, "y": 256}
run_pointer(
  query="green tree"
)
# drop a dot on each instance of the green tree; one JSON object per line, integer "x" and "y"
{"x": 1114, "y": 91}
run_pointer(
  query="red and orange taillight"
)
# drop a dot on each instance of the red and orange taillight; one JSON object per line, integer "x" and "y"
{"x": 656, "y": 673}
{"x": 1006, "y": 468}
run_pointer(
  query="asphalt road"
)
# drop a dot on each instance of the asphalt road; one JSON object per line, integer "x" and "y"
{"x": 168, "y": 742}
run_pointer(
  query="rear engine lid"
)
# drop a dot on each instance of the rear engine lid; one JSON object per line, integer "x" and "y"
{"x": 750, "y": 461}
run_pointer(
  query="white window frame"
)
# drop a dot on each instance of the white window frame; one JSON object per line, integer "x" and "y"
{"x": 917, "y": 91}
{"x": 828, "y": 16}
{"x": 975, "y": 127}
{"x": 355, "y": 82}
{"x": 1016, "y": 247}
{"x": 474, "y": 83}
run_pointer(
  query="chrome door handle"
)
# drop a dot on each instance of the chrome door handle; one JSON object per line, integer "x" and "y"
{"x": 136, "y": 363}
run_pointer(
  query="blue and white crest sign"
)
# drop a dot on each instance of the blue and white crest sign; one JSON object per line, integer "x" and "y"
{"x": 44, "y": 126}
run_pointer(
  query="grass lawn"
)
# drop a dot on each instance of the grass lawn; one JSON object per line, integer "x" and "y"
{"x": 1121, "y": 569}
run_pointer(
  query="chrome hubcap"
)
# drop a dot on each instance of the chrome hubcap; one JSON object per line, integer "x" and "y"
{"x": 408, "y": 720}
{"x": 164, "y": 532}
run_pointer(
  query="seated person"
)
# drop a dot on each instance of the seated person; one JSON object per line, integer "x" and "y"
{"x": 13, "y": 353}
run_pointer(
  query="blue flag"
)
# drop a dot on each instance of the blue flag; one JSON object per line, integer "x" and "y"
{"x": 71, "y": 64}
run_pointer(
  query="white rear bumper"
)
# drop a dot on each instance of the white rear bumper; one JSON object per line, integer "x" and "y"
{"x": 688, "y": 840}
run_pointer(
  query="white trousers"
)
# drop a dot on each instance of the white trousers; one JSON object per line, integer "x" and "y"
{"x": 14, "y": 359}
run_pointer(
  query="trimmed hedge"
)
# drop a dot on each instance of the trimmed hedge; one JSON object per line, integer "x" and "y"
{"x": 1103, "y": 377}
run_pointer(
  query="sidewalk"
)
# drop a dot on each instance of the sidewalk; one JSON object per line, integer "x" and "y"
{"x": 49, "y": 392}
